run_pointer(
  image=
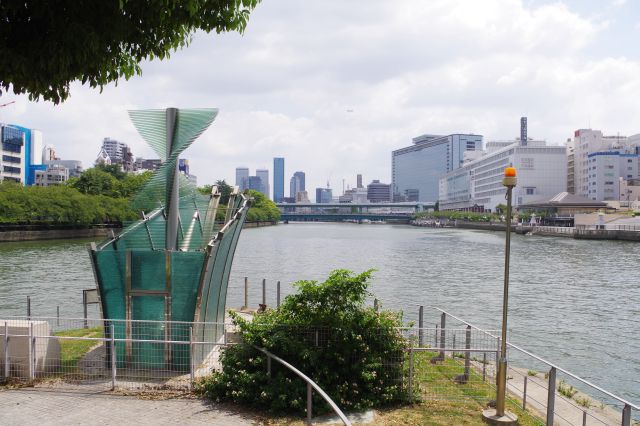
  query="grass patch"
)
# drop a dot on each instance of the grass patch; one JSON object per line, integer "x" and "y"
{"x": 71, "y": 351}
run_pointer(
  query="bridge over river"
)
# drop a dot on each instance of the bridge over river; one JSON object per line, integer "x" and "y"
{"x": 350, "y": 212}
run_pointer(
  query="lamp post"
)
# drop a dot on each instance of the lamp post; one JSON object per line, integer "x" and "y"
{"x": 499, "y": 416}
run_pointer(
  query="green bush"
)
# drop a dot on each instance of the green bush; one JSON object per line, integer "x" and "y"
{"x": 352, "y": 352}
{"x": 262, "y": 209}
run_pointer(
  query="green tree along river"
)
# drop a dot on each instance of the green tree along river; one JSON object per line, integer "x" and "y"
{"x": 573, "y": 302}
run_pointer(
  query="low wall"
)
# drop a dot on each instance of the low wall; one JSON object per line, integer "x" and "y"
{"x": 258, "y": 224}
{"x": 54, "y": 234}
{"x": 606, "y": 234}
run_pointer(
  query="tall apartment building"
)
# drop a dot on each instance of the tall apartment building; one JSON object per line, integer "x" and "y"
{"x": 585, "y": 142}
{"x": 416, "y": 169}
{"x": 296, "y": 184}
{"x": 263, "y": 174}
{"x": 242, "y": 177}
{"x": 20, "y": 153}
{"x": 477, "y": 185}
{"x": 606, "y": 171}
{"x": 278, "y": 179}
{"x": 115, "y": 152}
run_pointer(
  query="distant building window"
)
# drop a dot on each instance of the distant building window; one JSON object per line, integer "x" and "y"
{"x": 11, "y": 159}
{"x": 526, "y": 163}
{"x": 530, "y": 191}
{"x": 9, "y": 169}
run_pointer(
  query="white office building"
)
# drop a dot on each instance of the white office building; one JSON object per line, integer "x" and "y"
{"x": 477, "y": 185}
{"x": 585, "y": 142}
{"x": 606, "y": 170}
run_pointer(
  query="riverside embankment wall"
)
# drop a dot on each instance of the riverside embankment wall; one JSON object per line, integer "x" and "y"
{"x": 53, "y": 234}
{"x": 579, "y": 234}
{"x": 34, "y": 233}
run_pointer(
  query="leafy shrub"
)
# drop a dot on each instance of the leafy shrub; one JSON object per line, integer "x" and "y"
{"x": 352, "y": 352}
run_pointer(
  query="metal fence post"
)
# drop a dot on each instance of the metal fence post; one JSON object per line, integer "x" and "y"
{"x": 28, "y": 308}
{"x": 443, "y": 337}
{"x": 84, "y": 308}
{"x": 524, "y": 394}
{"x": 375, "y": 305}
{"x": 551, "y": 396}
{"x": 191, "y": 360}
{"x": 309, "y": 403}
{"x": 264, "y": 291}
{"x": 269, "y": 365}
{"x": 467, "y": 356}
{"x": 113, "y": 357}
{"x": 58, "y": 315}
{"x": 584, "y": 418}
{"x": 32, "y": 353}
{"x": 410, "y": 374}
{"x": 246, "y": 292}
{"x": 484, "y": 367}
{"x": 278, "y": 294}
{"x": 626, "y": 415}
{"x": 6, "y": 350}
{"x": 421, "y": 326}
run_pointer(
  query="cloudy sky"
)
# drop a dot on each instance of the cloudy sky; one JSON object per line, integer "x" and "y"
{"x": 334, "y": 86}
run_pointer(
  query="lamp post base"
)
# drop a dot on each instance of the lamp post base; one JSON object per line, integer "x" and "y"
{"x": 508, "y": 419}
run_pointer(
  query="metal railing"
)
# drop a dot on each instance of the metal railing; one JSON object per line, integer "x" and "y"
{"x": 98, "y": 353}
{"x": 553, "y": 386}
{"x": 310, "y": 386}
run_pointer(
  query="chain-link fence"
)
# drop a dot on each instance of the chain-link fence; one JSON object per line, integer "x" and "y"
{"x": 109, "y": 354}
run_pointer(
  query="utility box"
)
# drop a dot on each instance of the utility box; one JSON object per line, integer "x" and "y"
{"x": 27, "y": 360}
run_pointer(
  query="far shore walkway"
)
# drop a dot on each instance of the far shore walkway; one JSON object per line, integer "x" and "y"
{"x": 37, "y": 406}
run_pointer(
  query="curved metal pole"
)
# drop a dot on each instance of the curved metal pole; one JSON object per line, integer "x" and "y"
{"x": 310, "y": 382}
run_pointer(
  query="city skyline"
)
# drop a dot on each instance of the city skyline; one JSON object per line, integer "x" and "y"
{"x": 364, "y": 92}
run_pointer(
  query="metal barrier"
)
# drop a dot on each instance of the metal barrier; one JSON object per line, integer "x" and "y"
{"x": 87, "y": 353}
{"x": 567, "y": 407}
{"x": 310, "y": 386}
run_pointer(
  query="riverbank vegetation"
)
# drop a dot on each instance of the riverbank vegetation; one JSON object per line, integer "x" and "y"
{"x": 100, "y": 195}
{"x": 326, "y": 331}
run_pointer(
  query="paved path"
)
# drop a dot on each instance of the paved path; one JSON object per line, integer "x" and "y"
{"x": 29, "y": 406}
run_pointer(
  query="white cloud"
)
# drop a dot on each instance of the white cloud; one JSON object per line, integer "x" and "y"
{"x": 405, "y": 68}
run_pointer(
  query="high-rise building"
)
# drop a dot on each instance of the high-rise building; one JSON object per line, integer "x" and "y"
{"x": 242, "y": 176}
{"x": 359, "y": 179}
{"x": 21, "y": 153}
{"x": 416, "y": 169}
{"x": 278, "y": 179}
{"x": 585, "y": 142}
{"x": 118, "y": 153}
{"x": 378, "y": 192}
{"x": 324, "y": 195}
{"x": 296, "y": 184}
{"x": 477, "y": 185}
{"x": 254, "y": 183}
{"x": 263, "y": 174}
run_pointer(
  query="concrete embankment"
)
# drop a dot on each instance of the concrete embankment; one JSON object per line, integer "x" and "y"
{"x": 258, "y": 224}
{"x": 550, "y": 231}
{"x": 53, "y": 234}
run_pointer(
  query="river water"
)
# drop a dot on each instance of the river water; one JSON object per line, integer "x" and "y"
{"x": 573, "y": 302}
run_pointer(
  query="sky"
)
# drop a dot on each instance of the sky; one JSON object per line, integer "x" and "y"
{"x": 335, "y": 85}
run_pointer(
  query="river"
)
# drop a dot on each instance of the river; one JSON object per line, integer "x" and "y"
{"x": 574, "y": 302}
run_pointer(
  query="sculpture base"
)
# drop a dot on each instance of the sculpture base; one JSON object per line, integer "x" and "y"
{"x": 508, "y": 419}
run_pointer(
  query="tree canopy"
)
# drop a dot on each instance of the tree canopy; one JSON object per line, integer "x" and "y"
{"x": 47, "y": 46}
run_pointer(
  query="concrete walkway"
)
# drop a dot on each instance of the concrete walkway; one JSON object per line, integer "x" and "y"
{"x": 33, "y": 406}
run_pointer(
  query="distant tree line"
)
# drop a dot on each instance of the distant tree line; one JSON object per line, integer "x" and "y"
{"x": 100, "y": 196}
